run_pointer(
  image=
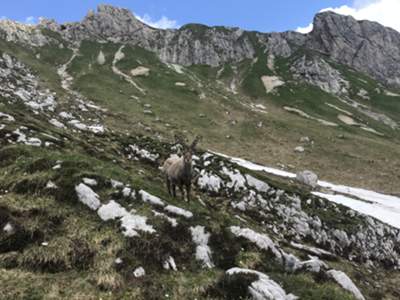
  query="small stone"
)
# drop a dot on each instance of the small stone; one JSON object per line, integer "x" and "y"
{"x": 51, "y": 185}
{"x": 299, "y": 149}
{"x": 118, "y": 261}
{"x": 8, "y": 229}
{"x": 140, "y": 71}
{"x": 139, "y": 272}
{"x": 305, "y": 139}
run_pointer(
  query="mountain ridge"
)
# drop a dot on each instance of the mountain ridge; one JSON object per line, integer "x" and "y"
{"x": 200, "y": 44}
{"x": 88, "y": 114}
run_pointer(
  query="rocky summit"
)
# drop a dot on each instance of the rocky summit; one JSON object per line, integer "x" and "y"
{"x": 363, "y": 45}
{"x": 284, "y": 148}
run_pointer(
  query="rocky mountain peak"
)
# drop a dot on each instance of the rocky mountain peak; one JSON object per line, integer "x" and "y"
{"x": 108, "y": 13}
{"x": 366, "y": 46}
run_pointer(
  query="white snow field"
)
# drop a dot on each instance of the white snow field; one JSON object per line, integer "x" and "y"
{"x": 383, "y": 207}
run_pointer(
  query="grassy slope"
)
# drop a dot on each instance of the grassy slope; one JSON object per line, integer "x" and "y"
{"x": 333, "y": 157}
{"x": 79, "y": 261}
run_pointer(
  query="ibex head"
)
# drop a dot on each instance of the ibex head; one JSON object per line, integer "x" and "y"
{"x": 187, "y": 150}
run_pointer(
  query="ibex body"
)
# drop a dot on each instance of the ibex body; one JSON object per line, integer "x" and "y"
{"x": 178, "y": 171}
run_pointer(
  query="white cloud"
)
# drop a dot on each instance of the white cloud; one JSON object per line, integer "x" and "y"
{"x": 163, "y": 23}
{"x": 385, "y": 12}
{"x": 305, "y": 29}
{"x": 31, "y": 20}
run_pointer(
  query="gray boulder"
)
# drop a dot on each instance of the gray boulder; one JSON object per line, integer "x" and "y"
{"x": 308, "y": 178}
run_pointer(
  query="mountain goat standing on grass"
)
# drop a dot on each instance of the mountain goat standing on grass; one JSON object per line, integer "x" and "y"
{"x": 178, "y": 170}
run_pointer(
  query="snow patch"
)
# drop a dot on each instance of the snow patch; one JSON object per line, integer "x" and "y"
{"x": 385, "y": 211}
{"x": 255, "y": 167}
{"x": 382, "y": 207}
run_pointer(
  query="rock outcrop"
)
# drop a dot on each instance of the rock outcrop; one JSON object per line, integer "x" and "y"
{"x": 363, "y": 45}
{"x": 366, "y": 46}
{"x": 318, "y": 72}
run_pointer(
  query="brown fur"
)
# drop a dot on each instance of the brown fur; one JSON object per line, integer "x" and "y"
{"x": 178, "y": 171}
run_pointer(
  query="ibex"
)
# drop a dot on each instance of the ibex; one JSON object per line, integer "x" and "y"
{"x": 178, "y": 170}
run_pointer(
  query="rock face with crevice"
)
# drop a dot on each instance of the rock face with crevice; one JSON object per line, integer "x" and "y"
{"x": 366, "y": 46}
{"x": 363, "y": 45}
{"x": 318, "y": 72}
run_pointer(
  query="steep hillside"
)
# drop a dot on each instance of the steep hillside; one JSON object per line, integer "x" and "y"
{"x": 88, "y": 112}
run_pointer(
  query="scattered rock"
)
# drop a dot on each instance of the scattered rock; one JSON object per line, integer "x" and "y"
{"x": 318, "y": 72}
{"x": 264, "y": 288}
{"x": 87, "y": 196}
{"x": 363, "y": 94}
{"x": 203, "y": 252}
{"x": 308, "y": 178}
{"x": 299, "y": 149}
{"x": 139, "y": 272}
{"x": 305, "y": 140}
{"x": 346, "y": 283}
{"x": 8, "y": 229}
{"x": 140, "y": 71}
{"x": 101, "y": 59}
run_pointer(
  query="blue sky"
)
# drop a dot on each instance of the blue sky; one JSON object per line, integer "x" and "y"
{"x": 262, "y": 15}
